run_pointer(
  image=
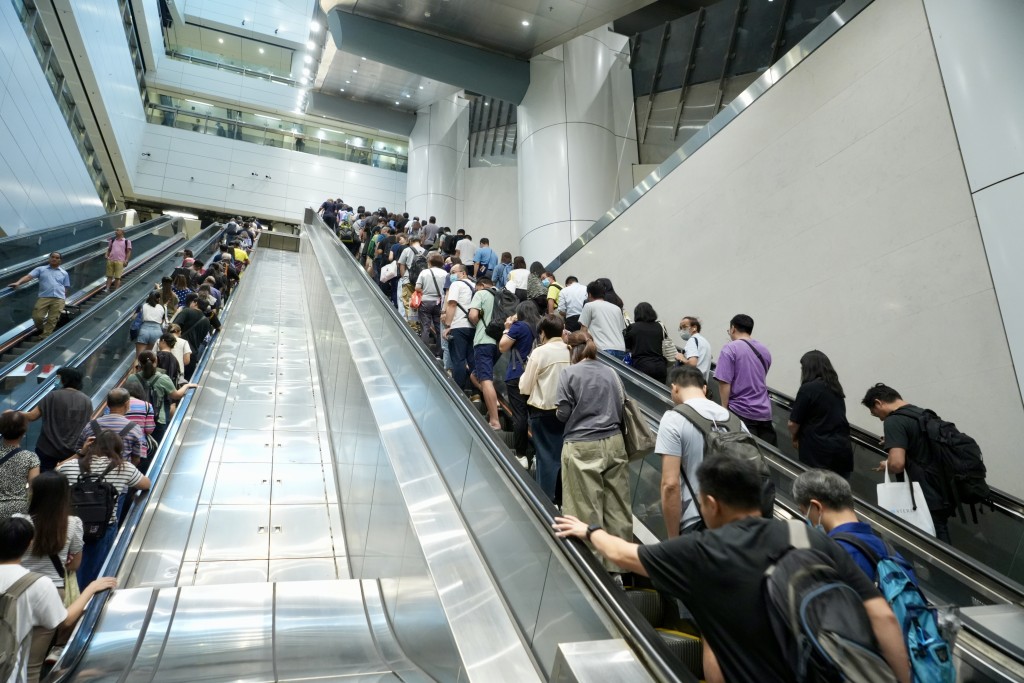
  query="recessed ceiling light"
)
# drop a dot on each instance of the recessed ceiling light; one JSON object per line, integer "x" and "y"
{"x": 426, "y": 14}
{"x": 220, "y": 40}
{"x": 421, "y": 87}
{"x": 397, "y": 102}
{"x": 355, "y": 71}
{"x": 304, "y": 80}
{"x": 363, "y": 58}
{"x": 342, "y": 89}
{"x": 314, "y": 26}
{"x": 348, "y": 81}
{"x": 310, "y": 45}
{"x": 525, "y": 22}
{"x": 408, "y": 95}
{"x": 305, "y": 71}
{"x": 487, "y": 104}
{"x": 308, "y": 59}
{"x": 262, "y": 50}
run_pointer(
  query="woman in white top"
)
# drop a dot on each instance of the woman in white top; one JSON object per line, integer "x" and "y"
{"x": 104, "y": 452}
{"x": 154, "y": 315}
{"x": 431, "y": 283}
{"x": 540, "y": 383}
{"x": 518, "y": 278}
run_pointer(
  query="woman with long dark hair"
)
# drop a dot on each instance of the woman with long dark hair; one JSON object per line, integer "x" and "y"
{"x": 609, "y": 293}
{"x": 519, "y": 339}
{"x": 103, "y": 457}
{"x": 643, "y": 339}
{"x": 181, "y": 289}
{"x": 595, "y": 468}
{"x": 817, "y": 422}
{"x": 159, "y": 390}
{"x": 168, "y": 298}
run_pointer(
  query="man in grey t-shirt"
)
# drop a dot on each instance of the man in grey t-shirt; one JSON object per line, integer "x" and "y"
{"x": 604, "y": 321}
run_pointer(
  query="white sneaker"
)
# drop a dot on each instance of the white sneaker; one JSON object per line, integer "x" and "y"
{"x": 54, "y": 654}
{"x": 523, "y": 461}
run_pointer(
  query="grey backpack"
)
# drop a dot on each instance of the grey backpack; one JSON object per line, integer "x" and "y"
{"x": 728, "y": 438}
{"x": 10, "y": 646}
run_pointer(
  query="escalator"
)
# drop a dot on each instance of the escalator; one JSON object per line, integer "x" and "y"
{"x": 32, "y": 247}
{"x": 86, "y": 268}
{"x": 949, "y": 576}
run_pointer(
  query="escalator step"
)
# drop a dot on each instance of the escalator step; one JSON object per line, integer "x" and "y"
{"x": 509, "y": 438}
{"x": 687, "y": 648}
{"x": 649, "y": 603}
{"x": 8, "y": 357}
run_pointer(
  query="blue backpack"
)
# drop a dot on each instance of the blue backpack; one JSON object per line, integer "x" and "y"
{"x": 931, "y": 657}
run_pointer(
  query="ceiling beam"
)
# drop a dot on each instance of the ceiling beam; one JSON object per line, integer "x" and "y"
{"x": 436, "y": 58}
{"x": 374, "y": 116}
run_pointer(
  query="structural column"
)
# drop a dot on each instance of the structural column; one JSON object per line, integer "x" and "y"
{"x": 577, "y": 141}
{"x": 438, "y": 148}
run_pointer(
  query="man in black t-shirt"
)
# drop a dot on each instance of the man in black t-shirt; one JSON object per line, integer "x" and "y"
{"x": 719, "y": 575}
{"x": 329, "y": 212}
{"x": 908, "y": 451}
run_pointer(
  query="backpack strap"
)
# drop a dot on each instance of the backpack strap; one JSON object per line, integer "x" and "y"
{"x": 862, "y": 547}
{"x": 57, "y": 566}
{"x": 96, "y": 428}
{"x": 757, "y": 353}
{"x": 126, "y": 429}
{"x": 693, "y": 494}
{"x": 706, "y": 426}
{"x": 21, "y": 585}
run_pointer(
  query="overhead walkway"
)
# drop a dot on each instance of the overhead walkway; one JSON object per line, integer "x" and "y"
{"x": 325, "y": 507}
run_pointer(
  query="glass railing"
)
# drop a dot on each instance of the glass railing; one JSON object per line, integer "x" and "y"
{"x": 197, "y": 56}
{"x": 20, "y": 249}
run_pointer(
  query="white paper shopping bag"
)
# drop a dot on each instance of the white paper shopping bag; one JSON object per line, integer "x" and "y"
{"x": 905, "y": 499}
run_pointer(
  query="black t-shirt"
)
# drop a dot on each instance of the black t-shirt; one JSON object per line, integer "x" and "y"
{"x": 643, "y": 339}
{"x": 903, "y": 431}
{"x": 329, "y": 209}
{"x": 65, "y": 413}
{"x": 719, "y": 576}
{"x": 194, "y": 327}
{"x": 824, "y": 431}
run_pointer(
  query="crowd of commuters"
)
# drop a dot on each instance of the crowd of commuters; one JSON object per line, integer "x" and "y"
{"x": 80, "y": 443}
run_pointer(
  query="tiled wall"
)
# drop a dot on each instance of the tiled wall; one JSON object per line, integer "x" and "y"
{"x": 43, "y": 180}
{"x": 836, "y": 211}
{"x": 209, "y": 172}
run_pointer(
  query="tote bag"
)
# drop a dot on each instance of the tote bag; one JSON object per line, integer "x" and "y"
{"x": 905, "y": 499}
{"x": 636, "y": 435}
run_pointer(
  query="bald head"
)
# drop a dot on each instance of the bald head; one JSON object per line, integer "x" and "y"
{"x": 118, "y": 400}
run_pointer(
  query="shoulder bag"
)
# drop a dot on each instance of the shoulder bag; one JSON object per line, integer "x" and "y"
{"x": 636, "y": 434}
{"x": 668, "y": 347}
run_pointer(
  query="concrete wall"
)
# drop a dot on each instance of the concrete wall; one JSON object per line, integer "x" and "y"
{"x": 492, "y": 206}
{"x": 43, "y": 180}
{"x": 836, "y": 211}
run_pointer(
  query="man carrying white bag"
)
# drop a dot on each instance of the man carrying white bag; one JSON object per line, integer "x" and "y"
{"x": 925, "y": 499}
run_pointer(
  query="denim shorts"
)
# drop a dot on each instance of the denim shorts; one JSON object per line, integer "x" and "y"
{"x": 484, "y": 356}
{"x": 149, "y": 333}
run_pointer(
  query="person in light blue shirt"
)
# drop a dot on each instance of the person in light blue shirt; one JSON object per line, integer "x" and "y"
{"x": 54, "y": 283}
{"x": 485, "y": 259}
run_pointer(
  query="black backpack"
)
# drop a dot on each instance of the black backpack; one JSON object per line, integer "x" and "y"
{"x": 818, "y": 620}
{"x": 346, "y": 234}
{"x": 957, "y": 458}
{"x": 93, "y": 501}
{"x": 728, "y": 438}
{"x": 448, "y": 246}
{"x": 419, "y": 264}
{"x": 505, "y": 303}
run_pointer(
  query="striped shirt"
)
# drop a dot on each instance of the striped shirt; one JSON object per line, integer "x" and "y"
{"x": 134, "y": 442}
{"x": 43, "y": 565}
{"x": 122, "y": 478}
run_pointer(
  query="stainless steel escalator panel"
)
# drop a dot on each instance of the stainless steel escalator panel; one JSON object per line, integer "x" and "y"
{"x": 305, "y": 569}
{"x": 218, "y": 573}
{"x": 241, "y": 483}
{"x": 247, "y": 446}
{"x": 301, "y": 447}
{"x": 143, "y": 667}
{"x": 297, "y": 483}
{"x": 298, "y": 531}
{"x": 236, "y": 532}
{"x": 114, "y": 642}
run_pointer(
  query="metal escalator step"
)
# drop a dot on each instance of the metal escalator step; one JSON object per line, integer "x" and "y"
{"x": 8, "y": 357}
{"x": 649, "y": 603}
{"x": 30, "y": 344}
{"x": 509, "y": 438}
{"x": 687, "y": 648}
{"x": 10, "y": 382}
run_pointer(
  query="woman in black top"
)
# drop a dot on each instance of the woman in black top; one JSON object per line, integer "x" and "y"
{"x": 817, "y": 422}
{"x": 643, "y": 341}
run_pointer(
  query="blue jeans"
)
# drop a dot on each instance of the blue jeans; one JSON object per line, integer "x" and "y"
{"x": 621, "y": 355}
{"x": 94, "y": 554}
{"x": 547, "y": 441}
{"x": 460, "y": 347}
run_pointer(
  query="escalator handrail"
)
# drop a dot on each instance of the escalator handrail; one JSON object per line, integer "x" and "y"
{"x": 77, "y": 646}
{"x": 151, "y": 255}
{"x": 98, "y": 221}
{"x": 993, "y": 582}
{"x": 29, "y": 264}
{"x": 639, "y": 633}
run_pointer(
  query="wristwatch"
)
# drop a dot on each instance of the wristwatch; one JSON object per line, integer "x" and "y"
{"x": 591, "y": 529}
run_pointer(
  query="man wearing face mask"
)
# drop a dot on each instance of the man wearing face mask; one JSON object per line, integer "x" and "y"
{"x": 457, "y": 328}
{"x": 697, "y": 349}
{"x": 826, "y": 501}
{"x": 554, "y": 291}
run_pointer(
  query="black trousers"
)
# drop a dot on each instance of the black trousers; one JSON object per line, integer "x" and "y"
{"x": 762, "y": 429}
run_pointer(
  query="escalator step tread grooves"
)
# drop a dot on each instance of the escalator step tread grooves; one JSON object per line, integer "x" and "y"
{"x": 650, "y": 605}
{"x": 509, "y": 438}
{"x": 688, "y": 649}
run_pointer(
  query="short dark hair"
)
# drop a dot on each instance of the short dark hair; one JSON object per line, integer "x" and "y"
{"x": 70, "y": 378}
{"x": 551, "y": 326}
{"x": 506, "y": 257}
{"x": 571, "y": 279}
{"x": 880, "y": 392}
{"x": 485, "y": 281}
{"x": 743, "y": 323}
{"x": 435, "y": 260}
{"x": 686, "y": 376}
{"x": 460, "y": 231}
{"x": 596, "y": 290}
{"x": 15, "y": 537}
{"x": 518, "y": 262}
{"x": 431, "y": 220}
{"x": 484, "y": 240}
{"x": 169, "y": 339}
{"x": 824, "y": 486}
{"x": 732, "y": 481}
{"x": 13, "y": 425}
{"x": 645, "y": 313}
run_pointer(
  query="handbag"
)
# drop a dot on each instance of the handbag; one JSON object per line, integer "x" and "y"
{"x": 71, "y": 591}
{"x": 905, "y": 499}
{"x": 636, "y": 434}
{"x": 668, "y": 347}
{"x": 416, "y": 300}
{"x": 389, "y": 272}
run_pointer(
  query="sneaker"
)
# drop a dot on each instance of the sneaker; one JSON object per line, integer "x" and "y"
{"x": 524, "y": 462}
{"x": 617, "y": 578}
{"x": 54, "y": 654}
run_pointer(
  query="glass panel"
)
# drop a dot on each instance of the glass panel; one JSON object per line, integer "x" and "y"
{"x": 709, "y": 60}
{"x": 645, "y": 60}
{"x": 804, "y": 15}
{"x": 754, "y": 38}
{"x": 677, "y": 52}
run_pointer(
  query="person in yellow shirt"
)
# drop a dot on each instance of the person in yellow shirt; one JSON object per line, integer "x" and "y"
{"x": 554, "y": 291}
{"x": 240, "y": 256}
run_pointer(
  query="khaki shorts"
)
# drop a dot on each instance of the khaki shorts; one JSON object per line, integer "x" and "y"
{"x": 115, "y": 269}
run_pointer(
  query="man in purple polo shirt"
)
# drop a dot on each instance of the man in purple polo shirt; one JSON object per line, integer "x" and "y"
{"x": 742, "y": 374}
{"x": 119, "y": 251}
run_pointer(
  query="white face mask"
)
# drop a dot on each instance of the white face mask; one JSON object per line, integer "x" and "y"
{"x": 685, "y": 334}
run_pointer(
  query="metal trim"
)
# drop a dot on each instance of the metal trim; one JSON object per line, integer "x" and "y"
{"x": 801, "y": 51}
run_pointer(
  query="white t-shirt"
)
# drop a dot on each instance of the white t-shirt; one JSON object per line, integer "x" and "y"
{"x": 460, "y": 291}
{"x": 605, "y": 323}
{"x": 153, "y": 314}
{"x": 699, "y": 347}
{"x": 181, "y": 347}
{"x": 431, "y": 283}
{"x": 676, "y": 436}
{"x": 517, "y": 279}
{"x": 40, "y": 605}
{"x": 467, "y": 250}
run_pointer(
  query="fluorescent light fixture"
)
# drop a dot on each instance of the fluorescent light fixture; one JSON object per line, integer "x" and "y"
{"x": 181, "y": 214}
{"x": 310, "y": 45}
{"x": 308, "y": 59}
{"x": 314, "y": 26}
{"x": 202, "y": 104}
{"x": 331, "y": 130}
{"x": 262, "y": 50}
{"x": 264, "y": 116}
